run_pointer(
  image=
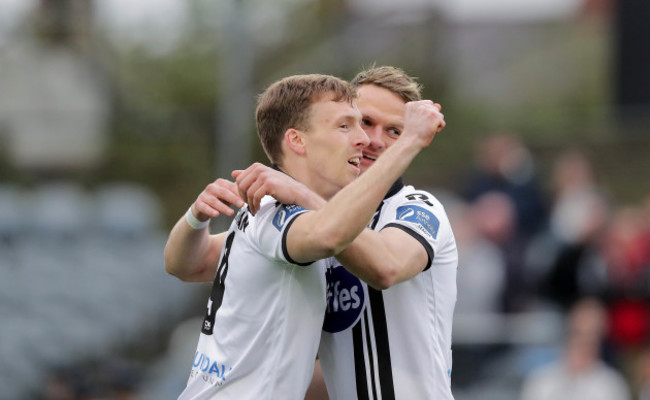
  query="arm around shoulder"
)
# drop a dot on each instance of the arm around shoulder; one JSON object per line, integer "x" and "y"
{"x": 333, "y": 227}
{"x": 385, "y": 258}
{"x": 192, "y": 253}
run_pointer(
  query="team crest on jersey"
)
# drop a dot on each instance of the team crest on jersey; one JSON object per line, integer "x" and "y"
{"x": 283, "y": 214}
{"x": 422, "y": 218}
{"x": 345, "y": 300}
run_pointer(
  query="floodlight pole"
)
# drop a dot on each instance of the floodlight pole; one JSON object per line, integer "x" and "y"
{"x": 235, "y": 106}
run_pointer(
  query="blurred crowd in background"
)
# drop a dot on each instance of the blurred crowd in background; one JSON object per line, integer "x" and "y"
{"x": 562, "y": 246}
{"x": 115, "y": 114}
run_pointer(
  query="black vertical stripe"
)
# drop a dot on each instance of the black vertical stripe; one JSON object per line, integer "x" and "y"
{"x": 371, "y": 358}
{"x": 381, "y": 341}
{"x": 222, "y": 271}
{"x": 381, "y": 338}
{"x": 378, "y": 310}
{"x": 285, "y": 251}
{"x": 218, "y": 287}
{"x": 359, "y": 364}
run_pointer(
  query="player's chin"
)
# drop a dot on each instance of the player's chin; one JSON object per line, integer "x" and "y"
{"x": 365, "y": 164}
{"x": 350, "y": 176}
{"x": 354, "y": 169}
{"x": 363, "y": 168}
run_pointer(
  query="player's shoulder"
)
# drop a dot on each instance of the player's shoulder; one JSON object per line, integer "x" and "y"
{"x": 417, "y": 210}
{"x": 276, "y": 213}
{"x": 269, "y": 226}
{"x": 410, "y": 195}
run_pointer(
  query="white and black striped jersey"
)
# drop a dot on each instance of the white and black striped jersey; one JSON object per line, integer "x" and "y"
{"x": 263, "y": 321}
{"x": 395, "y": 343}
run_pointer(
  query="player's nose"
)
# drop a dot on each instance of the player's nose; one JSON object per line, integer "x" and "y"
{"x": 361, "y": 139}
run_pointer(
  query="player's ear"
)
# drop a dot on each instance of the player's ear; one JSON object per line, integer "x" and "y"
{"x": 295, "y": 140}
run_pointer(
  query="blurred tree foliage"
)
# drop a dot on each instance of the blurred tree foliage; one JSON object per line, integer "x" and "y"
{"x": 165, "y": 105}
{"x": 163, "y": 125}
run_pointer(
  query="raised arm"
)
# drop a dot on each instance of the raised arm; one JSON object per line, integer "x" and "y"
{"x": 192, "y": 253}
{"x": 381, "y": 259}
{"x": 327, "y": 231}
{"x": 385, "y": 258}
{"x": 392, "y": 255}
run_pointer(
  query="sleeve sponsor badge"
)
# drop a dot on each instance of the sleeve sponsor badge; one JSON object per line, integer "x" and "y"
{"x": 421, "y": 217}
{"x": 284, "y": 213}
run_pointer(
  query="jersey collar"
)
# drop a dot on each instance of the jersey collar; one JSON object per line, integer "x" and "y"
{"x": 397, "y": 186}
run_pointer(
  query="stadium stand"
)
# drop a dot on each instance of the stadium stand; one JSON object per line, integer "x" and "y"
{"x": 82, "y": 276}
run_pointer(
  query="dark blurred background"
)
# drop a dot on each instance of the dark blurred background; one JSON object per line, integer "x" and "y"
{"x": 115, "y": 114}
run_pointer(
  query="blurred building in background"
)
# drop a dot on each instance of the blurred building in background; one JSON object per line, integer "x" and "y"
{"x": 55, "y": 102}
{"x": 114, "y": 115}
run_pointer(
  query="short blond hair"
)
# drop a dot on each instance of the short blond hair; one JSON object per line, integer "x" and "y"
{"x": 391, "y": 78}
{"x": 286, "y": 104}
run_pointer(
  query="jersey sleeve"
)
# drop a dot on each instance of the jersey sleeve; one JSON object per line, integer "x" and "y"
{"x": 420, "y": 215}
{"x": 274, "y": 222}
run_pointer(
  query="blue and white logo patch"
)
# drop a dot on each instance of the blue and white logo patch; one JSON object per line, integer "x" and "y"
{"x": 283, "y": 214}
{"x": 423, "y": 218}
{"x": 345, "y": 300}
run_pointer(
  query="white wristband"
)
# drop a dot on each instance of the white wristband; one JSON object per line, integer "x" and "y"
{"x": 194, "y": 222}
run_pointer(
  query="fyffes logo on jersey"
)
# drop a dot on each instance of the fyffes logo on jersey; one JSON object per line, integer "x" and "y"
{"x": 345, "y": 300}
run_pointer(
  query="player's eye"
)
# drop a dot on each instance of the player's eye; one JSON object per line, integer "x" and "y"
{"x": 394, "y": 131}
{"x": 365, "y": 122}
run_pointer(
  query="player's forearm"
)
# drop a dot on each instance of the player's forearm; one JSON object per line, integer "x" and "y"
{"x": 383, "y": 259}
{"x": 350, "y": 210}
{"x": 329, "y": 230}
{"x": 308, "y": 199}
{"x": 362, "y": 259}
{"x": 340, "y": 220}
{"x": 190, "y": 253}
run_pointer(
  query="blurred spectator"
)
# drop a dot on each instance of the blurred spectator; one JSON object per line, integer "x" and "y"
{"x": 567, "y": 260}
{"x": 505, "y": 165}
{"x": 627, "y": 252}
{"x": 481, "y": 276}
{"x": 493, "y": 215}
{"x": 579, "y": 269}
{"x": 481, "y": 280}
{"x": 509, "y": 209}
{"x": 580, "y": 374}
{"x": 573, "y": 187}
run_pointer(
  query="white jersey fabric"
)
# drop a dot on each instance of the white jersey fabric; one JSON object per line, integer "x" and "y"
{"x": 395, "y": 343}
{"x": 263, "y": 321}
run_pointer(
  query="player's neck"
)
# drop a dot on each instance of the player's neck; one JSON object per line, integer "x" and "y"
{"x": 299, "y": 170}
